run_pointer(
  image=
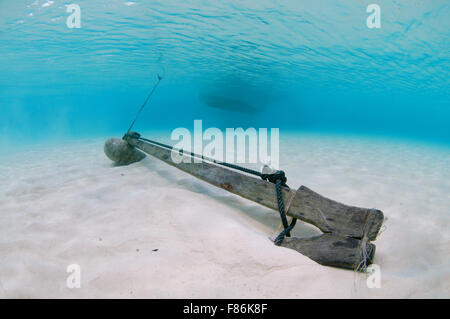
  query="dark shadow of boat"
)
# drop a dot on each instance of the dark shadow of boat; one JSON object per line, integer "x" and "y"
{"x": 227, "y": 103}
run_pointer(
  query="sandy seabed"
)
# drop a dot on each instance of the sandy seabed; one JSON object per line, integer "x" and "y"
{"x": 150, "y": 230}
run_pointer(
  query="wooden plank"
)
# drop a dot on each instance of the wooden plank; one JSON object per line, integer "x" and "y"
{"x": 331, "y": 216}
{"x": 326, "y": 214}
{"x": 334, "y": 250}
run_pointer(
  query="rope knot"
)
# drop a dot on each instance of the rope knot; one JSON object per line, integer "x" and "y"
{"x": 274, "y": 177}
{"x": 135, "y": 135}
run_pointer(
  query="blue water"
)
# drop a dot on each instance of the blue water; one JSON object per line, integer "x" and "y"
{"x": 310, "y": 66}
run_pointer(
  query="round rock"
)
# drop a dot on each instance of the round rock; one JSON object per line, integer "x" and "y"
{"x": 121, "y": 152}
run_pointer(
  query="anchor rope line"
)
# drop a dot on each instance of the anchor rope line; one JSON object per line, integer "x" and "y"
{"x": 145, "y": 102}
{"x": 202, "y": 157}
{"x": 278, "y": 178}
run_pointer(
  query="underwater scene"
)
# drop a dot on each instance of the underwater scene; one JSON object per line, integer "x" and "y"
{"x": 284, "y": 149}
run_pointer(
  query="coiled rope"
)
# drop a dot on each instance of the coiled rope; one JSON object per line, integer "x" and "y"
{"x": 287, "y": 227}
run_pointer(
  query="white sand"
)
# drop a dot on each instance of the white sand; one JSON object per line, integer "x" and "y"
{"x": 65, "y": 205}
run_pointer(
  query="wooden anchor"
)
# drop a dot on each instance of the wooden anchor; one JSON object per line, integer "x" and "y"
{"x": 347, "y": 230}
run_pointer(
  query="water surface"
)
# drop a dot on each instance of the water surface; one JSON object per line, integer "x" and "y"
{"x": 297, "y": 65}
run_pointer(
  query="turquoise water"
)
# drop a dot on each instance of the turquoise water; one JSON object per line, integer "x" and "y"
{"x": 309, "y": 66}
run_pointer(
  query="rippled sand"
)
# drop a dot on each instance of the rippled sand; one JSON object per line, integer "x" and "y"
{"x": 149, "y": 230}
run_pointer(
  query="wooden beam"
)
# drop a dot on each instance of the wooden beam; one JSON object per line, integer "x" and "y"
{"x": 334, "y": 250}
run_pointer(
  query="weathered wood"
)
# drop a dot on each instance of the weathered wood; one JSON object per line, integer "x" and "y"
{"x": 328, "y": 215}
{"x": 334, "y": 250}
{"x": 333, "y": 217}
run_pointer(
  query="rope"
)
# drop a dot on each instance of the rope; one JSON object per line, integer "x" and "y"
{"x": 143, "y": 105}
{"x": 204, "y": 158}
{"x": 287, "y": 227}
